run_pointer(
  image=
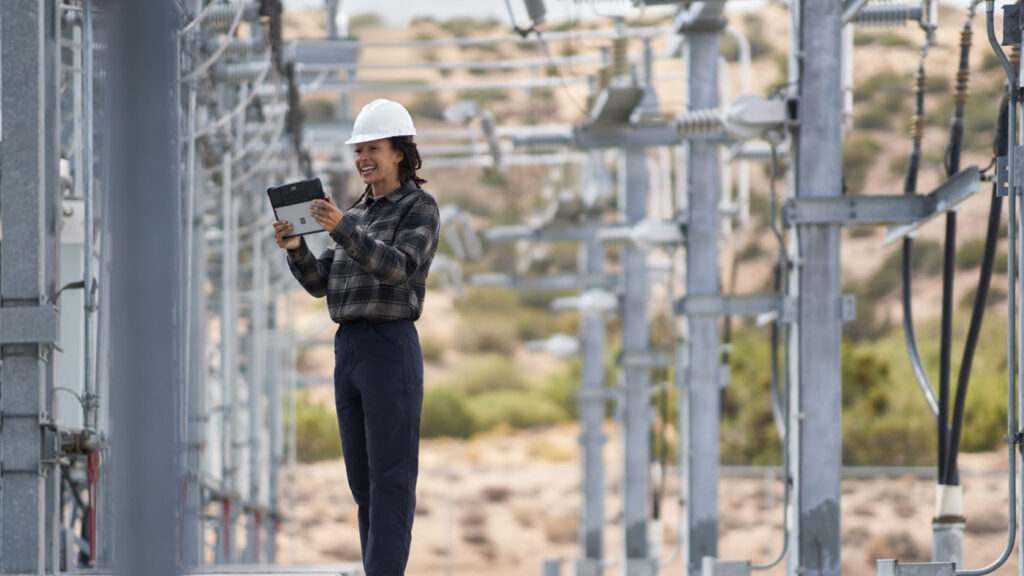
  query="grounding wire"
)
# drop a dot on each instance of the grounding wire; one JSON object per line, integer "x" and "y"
{"x": 223, "y": 120}
{"x": 220, "y": 49}
{"x": 777, "y": 396}
{"x": 1012, "y": 437}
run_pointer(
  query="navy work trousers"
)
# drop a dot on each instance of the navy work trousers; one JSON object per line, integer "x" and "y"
{"x": 378, "y": 392}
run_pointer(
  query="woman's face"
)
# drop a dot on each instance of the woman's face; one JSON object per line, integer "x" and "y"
{"x": 377, "y": 162}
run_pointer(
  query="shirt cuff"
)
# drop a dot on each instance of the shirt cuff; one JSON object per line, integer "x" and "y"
{"x": 345, "y": 234}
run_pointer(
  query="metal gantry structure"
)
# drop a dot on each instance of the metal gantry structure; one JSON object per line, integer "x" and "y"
{"x": 146, "y": 355}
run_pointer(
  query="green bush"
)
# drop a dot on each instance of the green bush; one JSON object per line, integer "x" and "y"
{"x": 317, "y": 110}
{"x": 446, "y": 414}
{"x": 486, "y": 333}
{"x": 1000, "y": 264}
{"x": 990, "y": 61}
{"x": 515, "y": 408}
{"x": 996, "y": 295}
{"x": 877, "y": 117}
{"x": 898, "y": 165}
{"x": 486, "y": 373}
{"x": 365, "y": 20}
{"x": 562, "y": 387}
{"x": 752, "y": 251}
{"x": 427, "y": 105}
{"x": 862, "y": 231}
{"x": 316, "y": 430}
{"x": 859, "y": 153}
{"x": 432, "y": 347}
{"x": 970, "y": 253}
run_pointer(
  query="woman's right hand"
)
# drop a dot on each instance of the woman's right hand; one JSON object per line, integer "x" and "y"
{"x": 280, "y": 229}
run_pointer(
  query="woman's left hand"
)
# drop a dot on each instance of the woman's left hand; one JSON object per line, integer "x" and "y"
{"x": 326, "y": 213}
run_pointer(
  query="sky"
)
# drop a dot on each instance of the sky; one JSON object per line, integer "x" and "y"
{"x": 398, "y": 12}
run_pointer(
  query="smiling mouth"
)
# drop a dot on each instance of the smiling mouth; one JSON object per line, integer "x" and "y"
{"x": 367, "y": 169}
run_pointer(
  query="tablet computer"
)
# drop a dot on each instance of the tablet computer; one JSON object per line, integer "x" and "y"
{"x": 291, "y": 203}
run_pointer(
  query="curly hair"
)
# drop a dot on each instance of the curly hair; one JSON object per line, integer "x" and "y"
{"x": 411, "y": 162}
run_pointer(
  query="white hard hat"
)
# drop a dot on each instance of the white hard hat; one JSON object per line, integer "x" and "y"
{"x": 381, "y": 119}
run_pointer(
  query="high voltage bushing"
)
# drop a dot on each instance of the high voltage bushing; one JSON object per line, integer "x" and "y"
{"x": 237, "y": 46}
{"x": 620, "y": 56}
{"x": 916, "y": 120}
{"x": 889, "y": 14}
{"x": 239, "y": 73}
{"x": 696, "y": 122}
{"x": 963, "y": 76}
{"x": 221, "y": 17}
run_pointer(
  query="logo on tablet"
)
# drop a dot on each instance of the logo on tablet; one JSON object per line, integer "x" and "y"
{"x": 302, "y": 220}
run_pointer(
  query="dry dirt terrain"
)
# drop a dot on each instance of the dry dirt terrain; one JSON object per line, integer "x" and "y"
{"x": 501, "y": 503}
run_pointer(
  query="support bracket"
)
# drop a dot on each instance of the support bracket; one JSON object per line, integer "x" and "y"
{"x": 895, "y": 568}
{"x": 745, "y": 305}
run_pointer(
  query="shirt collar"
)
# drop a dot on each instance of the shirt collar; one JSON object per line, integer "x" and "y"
{"x": 395, "y": 195}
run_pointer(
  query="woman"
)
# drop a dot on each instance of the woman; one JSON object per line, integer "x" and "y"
{"x": 374, "y": 276}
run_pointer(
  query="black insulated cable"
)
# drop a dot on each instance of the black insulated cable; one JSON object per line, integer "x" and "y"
{"x": 952, "y": 165}
{"x": 910, "y": 187}
{"x": 978, "y": 311}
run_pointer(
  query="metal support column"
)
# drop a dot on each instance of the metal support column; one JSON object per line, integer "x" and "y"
{"x": 637, "y": 407}
{"x": 592, "y": 403}
{"x": 817, "y": 407}
{"x": 27, "y": 318}
{"x": 257, "y": 362}
{"x": 702, "y": 279}
{"x": 228, "y": 339}
{"x": 145, "y": 323}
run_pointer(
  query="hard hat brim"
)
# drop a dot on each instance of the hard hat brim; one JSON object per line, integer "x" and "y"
{"x": 360, "y": 138}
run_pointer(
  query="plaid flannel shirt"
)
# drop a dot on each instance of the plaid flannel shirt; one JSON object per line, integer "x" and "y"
{"x": 376, "y": 267}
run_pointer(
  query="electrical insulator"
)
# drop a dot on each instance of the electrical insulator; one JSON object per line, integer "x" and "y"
{"x": 536, "y": 11}
{"x": 604, "y": 77}
{"x": 240, "y": 73}
{"x": 699, "y": 122}
{"x": 237, "y": 46}
{"x": 490, "y": 132}
{"x": 221, "y": 17}
{"x": 620, "y": 56}
{"x": 888, "y": 14}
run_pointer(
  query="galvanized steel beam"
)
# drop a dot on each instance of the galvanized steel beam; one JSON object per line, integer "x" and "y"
{"x": 28, "y": 253}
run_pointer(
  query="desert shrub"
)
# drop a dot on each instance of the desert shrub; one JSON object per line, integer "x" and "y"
{"x": 936, "y": 83}
{"x": 862, "y": 231}
{"x": 892, "y": 39}
{"x": 463, "y": 27}
{"x": 970, "y": 253}
{"x": 898, "y": 545}
{"x": 866, "y": 325}
{"x": 752, "y": 251}
{"x": 486, "y": 332}
{"x": 748, "y": 434}
{"x": 877, "y": 117}
{"x": 996, "y": 296}
{"x": 486, "y": 373}
{"x": 898, "y": 165}
{"x": 859, "y": 153}
{"x": 562, "y": 387}
{"x": 316, "y": 430}
{"x": 317, "y": 110}
{"x": 427, "y": 105}
{"x": 446, "y": 413}
{"x": 365, "y": 20}
{"x": 990, "y": 61}
{"x": 432, "y": 347}
{"x": 515, "y": 408}
{"x": 1000, "y": 265}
